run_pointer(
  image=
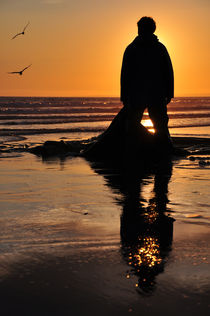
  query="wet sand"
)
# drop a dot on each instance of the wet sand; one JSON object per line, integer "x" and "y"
{"x": 79, "y": 238}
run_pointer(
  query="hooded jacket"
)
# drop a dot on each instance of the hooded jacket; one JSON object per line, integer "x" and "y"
{"x": 147, "y": 72}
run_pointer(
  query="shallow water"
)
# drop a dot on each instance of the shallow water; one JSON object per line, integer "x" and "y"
{"x": 71, "y": 235}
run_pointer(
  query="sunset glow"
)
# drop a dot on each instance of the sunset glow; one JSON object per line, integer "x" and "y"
{"x": 148, "y": 124}
{"x": 76, "y": 47}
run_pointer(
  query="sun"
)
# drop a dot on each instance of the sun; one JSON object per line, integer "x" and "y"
{"x": 148, "y": 124}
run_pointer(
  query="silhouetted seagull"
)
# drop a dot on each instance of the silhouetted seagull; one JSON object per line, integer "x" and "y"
{"x": 19, "y": 72}
{"x": 23, "y": 32}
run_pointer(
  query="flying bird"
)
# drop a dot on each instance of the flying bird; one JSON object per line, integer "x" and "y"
{"x": 19, "y": 72}
{"x": 21, "y": 33}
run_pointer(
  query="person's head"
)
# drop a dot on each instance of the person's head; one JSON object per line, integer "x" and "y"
{"x": 146, "y": 26}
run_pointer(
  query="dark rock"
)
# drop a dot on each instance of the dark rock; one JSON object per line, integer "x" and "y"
{"x": 121, "y": 140}
{"x": 53, "y": 148}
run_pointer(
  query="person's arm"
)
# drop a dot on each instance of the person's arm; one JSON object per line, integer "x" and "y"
{"x": 168, "y": 76}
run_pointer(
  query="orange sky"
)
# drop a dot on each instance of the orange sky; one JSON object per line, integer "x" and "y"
{"x": 76, "y": 47}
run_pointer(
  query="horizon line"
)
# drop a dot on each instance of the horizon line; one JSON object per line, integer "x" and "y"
{"x": 117, "y": 97}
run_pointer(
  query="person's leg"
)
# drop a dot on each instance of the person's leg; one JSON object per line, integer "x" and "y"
{"x": 159, "y": 117}
{"x": 132, "y": 125}
{"x": 134, "y": 117}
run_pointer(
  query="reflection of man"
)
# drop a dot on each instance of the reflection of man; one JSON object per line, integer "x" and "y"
{"x": 146, "y": 232}
{"x": 147, "y": 78}
{"x": 146, "y": 229}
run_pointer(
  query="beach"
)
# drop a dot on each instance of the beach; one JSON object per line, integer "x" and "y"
{"x": 80, "y": 237}
{"x": 62, "y": 251}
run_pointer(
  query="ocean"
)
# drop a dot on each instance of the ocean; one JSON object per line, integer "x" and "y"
{"x": 78, "y": 118}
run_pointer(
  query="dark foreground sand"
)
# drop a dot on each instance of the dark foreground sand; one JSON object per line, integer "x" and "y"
{"x": 66, "y": 248}
{"x": 92, "y": 279}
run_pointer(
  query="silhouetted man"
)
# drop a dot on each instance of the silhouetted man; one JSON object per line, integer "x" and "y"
{"x": 147, "y": 79}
